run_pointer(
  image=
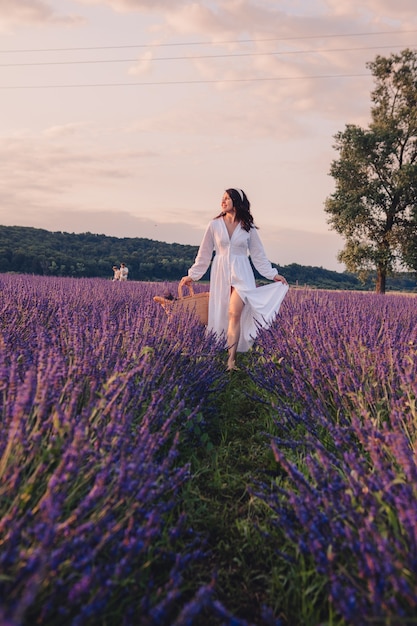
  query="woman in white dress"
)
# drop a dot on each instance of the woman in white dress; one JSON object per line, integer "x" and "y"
{"x": 237, "y": 308}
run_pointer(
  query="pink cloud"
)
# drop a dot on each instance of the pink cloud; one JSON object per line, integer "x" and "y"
{"x": 35, "y": 12}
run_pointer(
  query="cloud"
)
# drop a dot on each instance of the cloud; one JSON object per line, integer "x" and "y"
{"x": 127, "y": 6}
{"x": 64, "y": 130}
{"x": 45, "y": 166}
{"x": 288, "y": 67}
{"x": 231, "y": 18}
{"x": 116, "y": 223}
{"x": 38, "y": 12}
{"x": 143, "y": 65}
{"x": 238, "y": 118}
{"x": 376, "y": 11}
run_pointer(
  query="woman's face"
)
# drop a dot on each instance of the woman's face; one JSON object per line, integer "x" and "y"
{"x": 227, "y": 204}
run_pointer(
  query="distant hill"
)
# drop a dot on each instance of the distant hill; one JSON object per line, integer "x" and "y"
{"x": 37, "y": 251}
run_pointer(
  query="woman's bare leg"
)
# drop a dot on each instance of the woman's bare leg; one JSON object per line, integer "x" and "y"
{"x": 236, "y": 305}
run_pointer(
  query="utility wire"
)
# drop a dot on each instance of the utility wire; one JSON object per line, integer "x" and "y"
{"x": 184, "y": 82}
{"x": 211, "y": 43}
{"x": 202, "y": 56}
{"x": 196, "y": 57}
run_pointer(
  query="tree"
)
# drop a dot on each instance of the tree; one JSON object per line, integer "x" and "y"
{"x": 374, "y": 205}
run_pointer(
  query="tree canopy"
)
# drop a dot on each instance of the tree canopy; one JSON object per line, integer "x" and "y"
{"x": 374, "y": 205}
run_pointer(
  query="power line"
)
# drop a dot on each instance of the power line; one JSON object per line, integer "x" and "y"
{"x": 212, "y": 43}
{"x": 184, "y": 82}
{"x": 203, "y": 56}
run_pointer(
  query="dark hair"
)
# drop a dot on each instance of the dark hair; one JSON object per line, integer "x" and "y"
{"x": 243, "y": 214}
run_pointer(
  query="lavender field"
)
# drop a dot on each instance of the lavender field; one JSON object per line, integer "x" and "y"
{"x": 125, "y": 447}
{"x": 341, "y": 371}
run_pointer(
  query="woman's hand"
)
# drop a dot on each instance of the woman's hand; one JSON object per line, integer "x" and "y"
{"x": 280, "y": 279}
{"x": 185, "y": 280}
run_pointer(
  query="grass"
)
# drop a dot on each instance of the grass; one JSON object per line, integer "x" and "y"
{"x": 250, "y": 570}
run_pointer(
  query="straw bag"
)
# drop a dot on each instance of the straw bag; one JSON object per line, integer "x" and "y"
{"x": 196, "y": 302}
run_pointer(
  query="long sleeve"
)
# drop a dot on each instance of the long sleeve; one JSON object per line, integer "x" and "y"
{"x": 258, "y": 256}
{"x": 204, "y": 256}
{"x": 231, "y": 269}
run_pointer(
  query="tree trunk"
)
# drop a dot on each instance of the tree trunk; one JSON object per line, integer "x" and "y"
{"x": 381, "y": 277}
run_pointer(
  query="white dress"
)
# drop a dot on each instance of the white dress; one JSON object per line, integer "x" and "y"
{"x": 231, "y": 268}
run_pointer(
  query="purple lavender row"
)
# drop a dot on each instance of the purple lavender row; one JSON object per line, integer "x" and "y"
{"x": 95, "y": 388}
{"x": 341, "y": 372}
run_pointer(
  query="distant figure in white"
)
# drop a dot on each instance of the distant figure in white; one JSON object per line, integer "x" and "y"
{"x": 116, "y": 273}
{"x": 123, "y": 272}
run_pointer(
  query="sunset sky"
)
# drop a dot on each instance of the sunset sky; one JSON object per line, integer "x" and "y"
{"x": 130, "y": 117}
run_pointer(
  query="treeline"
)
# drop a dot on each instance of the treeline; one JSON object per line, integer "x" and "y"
{"x": 37, "y": 251}
{"x": 27, "y": 250}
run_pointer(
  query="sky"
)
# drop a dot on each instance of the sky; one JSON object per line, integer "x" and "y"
{"x": 130, "y": 118}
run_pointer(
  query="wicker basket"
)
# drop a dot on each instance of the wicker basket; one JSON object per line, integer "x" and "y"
{"x": 196, "y": 302}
